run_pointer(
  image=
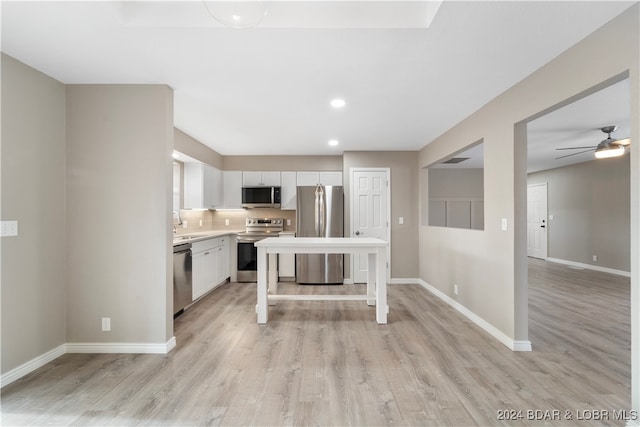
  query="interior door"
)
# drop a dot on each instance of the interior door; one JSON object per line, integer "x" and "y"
{"x": 369, "y": 212}
{"x": 537, "y": 220}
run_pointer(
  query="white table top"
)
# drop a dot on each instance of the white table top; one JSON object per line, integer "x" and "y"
{"x": 319, "y": 242}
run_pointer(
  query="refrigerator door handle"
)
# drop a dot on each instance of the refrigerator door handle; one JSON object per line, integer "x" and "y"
{"x": 320, "y": 212}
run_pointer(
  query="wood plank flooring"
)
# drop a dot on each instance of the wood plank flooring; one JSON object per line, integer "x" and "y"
{"x": 329, "y": 363}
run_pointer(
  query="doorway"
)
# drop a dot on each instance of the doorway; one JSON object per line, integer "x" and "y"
{"x": 370, "y": 213}
{"x": 537, "y": 216}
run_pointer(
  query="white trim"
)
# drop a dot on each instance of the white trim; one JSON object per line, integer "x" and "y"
{"x": 43, "y": 359}
{"x": 633, "y": 423}
{"x": 488, "y": 327}
{"x": 405, "y": 281}
{"x": 31, "y": 365}
{"x": 115, "y": 347}
{"x": 372, "y": 169}
{"x": 590, "y": 267}
{"x": 348, "y": 281}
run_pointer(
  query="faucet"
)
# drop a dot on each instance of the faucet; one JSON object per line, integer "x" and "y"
{"x": 177, "y": 214}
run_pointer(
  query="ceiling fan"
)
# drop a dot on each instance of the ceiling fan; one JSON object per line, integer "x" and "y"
{"x": 609, "y": 147}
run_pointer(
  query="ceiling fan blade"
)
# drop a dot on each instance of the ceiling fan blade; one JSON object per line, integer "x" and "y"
{"x": 574, "y": 154}
{"x": 625, "y": 141}
{"x": 576, "y": 148}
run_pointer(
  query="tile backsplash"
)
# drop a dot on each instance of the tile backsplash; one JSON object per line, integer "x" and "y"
{"x": 215, "y": 220}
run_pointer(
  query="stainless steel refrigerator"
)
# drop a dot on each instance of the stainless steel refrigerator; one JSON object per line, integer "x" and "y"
{"x": 320, "y": 213}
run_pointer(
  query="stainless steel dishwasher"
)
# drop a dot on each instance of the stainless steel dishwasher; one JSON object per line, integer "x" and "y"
{"x": 182, "y": 292}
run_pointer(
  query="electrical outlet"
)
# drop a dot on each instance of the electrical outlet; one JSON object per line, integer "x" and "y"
{"x": 106, "y": 324}
{"x": 401, "y": 220}
{"x": 504, "y": 224}
{"x": 184, "y": 224}
{"x": 288, "y": 222}
{"x": 455, "y": 289}
{"x": 595, "y": 258}
{"x": 226, "y": 221}
{"x": 200, "y": 223}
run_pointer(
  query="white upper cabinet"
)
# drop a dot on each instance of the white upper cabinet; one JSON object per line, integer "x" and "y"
{"x": 202, "y": 186}
{"x": 232, "y": 189}
{"x": 305, "y": 178}
{"x": 260, "y": 178}
{"x": 288, "y": 190}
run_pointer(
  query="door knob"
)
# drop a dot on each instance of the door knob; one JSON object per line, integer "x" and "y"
{"x": 357, "y": 233}
{"x": 542, "y": 226}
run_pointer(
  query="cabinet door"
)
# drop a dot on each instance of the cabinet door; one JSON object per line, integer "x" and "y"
{"x": 330, "y": 177}
{"x": 271, "y": 178}
{"x": 202, "y": 186}
{"x": 193, "y": 185}
{"x": 198, "y": 275}
{"x": 216, "y": 263}
{"x": 212, "y": 187}
{"x": 232, "y": 189}
{"x": 306, "y": 178}
{"x": 288, "y": 190}
{"x": 226, "y": 257}
{"x": 251, "y": 178}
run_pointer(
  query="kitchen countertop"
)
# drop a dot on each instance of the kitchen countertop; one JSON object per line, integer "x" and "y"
{"x": 202, "y": 235}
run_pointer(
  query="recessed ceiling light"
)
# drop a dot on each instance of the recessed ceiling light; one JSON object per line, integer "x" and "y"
{"x": 333, "y": 142}
{"x": 338, "y": 103}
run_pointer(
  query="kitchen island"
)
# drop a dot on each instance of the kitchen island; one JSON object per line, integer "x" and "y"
{"x": 376, "y": 250}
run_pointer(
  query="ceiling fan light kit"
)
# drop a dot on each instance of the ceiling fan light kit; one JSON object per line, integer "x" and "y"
{"x": 607, "y": 148}
{"x": 610, "y": 150}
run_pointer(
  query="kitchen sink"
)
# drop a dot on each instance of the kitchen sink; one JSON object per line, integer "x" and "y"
{"x": 185, "y": 237}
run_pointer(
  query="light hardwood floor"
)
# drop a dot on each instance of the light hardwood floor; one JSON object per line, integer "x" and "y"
{"x": 329, "y": 363}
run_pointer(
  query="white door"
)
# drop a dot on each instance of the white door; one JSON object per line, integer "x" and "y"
{"x": 537, "y": 221}
{"x": 369, "y": 212}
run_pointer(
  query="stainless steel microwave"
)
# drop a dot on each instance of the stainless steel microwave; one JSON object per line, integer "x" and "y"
{"x": 261, "y": 197}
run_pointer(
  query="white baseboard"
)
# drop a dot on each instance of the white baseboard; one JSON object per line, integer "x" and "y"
{"x": 590, "y": 267}
{"x": 43, "y": 359}
{"x": 404, "y": 281}
{"x": 486, "y": 326}
{"x": 116, "y": 347}
{"x": 31, "y": 365}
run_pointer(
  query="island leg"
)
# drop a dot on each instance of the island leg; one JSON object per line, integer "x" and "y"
{"x": 381, "y": 285}
{"x": 262, "y": 285}
{"x": 371, "y": 278}
{"x": 273, "y": 276}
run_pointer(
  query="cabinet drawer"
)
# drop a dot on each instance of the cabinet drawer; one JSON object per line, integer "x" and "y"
{"x": 203, "y": 245}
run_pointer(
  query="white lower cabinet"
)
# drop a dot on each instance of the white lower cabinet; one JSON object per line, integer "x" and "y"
{"x": 210, "y": 265}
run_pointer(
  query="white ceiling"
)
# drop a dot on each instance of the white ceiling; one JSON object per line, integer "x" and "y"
{"x": 266, "y": 90}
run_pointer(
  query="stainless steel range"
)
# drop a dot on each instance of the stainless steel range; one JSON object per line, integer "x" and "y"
{"x": 255, "y": 229}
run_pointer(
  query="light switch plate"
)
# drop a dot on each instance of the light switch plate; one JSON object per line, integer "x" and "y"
{"x": 504, "y": 224}
{"x": 9, "y": 228}
{"x": 401, "y": 220}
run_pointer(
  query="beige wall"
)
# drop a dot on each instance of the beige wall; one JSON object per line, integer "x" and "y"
{"x": 195, "y": 149}
{"x": 404, "y": 187}
{"x": 590, "y": 207}
{"x": 490, "y": 267}
{"x": 282, "y": 163}
{"x": 119, "y": 174}
{"x": 33, "y": 180}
